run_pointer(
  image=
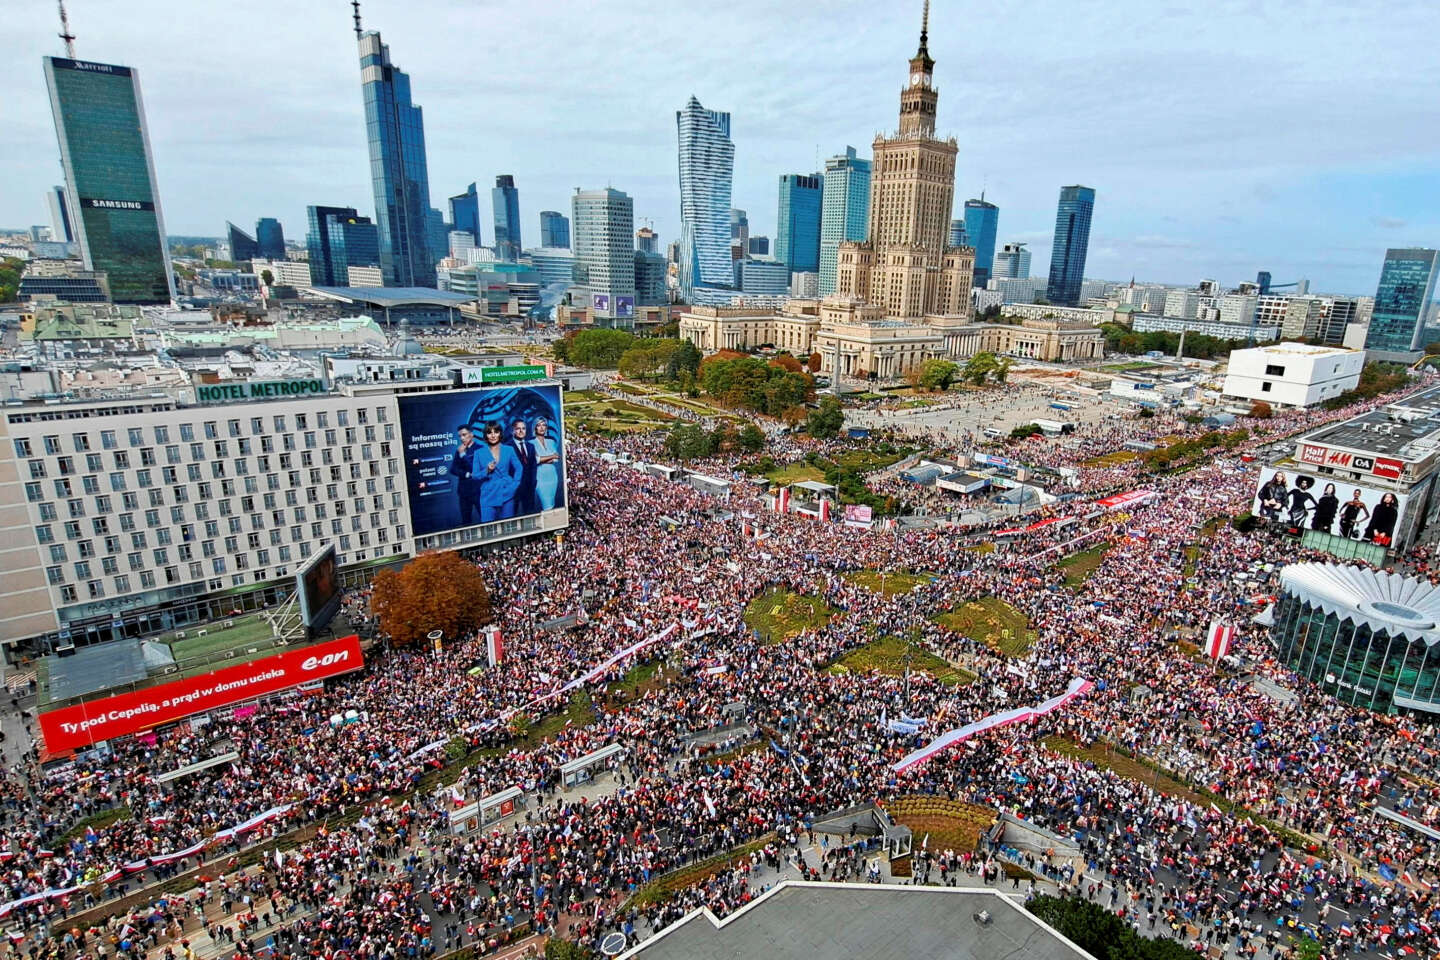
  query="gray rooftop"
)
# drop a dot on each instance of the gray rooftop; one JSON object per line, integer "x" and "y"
{"x": 393, "y": 296}
{"x": 803, "y": 921}
{"x": 1390, "y": 429}
{"x": 96, "y": 667}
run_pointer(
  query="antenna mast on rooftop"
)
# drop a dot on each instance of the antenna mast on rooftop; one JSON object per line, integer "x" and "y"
{"x": 355, "y": 5}
{"x": 65, "y": 33}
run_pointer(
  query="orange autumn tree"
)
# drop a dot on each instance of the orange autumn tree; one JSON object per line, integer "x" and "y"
{"x": 435, "y": 591}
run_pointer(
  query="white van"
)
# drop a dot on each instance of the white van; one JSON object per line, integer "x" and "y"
{"x": 994, "y": 433}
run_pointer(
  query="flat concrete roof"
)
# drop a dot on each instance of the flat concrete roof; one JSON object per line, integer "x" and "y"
{"x": 802, "y": 921}
{"x": 393, "y": 296}
{"x": 1389, "y": 429}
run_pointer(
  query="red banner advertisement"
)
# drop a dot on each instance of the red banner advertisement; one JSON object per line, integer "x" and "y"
{"x": 87, "y": 723}
{"x": 1131, "y": 499}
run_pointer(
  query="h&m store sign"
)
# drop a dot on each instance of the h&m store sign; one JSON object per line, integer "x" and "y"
{"x": 1386, "y": 467}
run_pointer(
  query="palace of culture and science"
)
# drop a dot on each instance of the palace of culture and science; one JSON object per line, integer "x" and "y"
{"x": 903, "y": 295}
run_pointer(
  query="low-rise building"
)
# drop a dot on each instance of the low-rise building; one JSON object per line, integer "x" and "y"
{"x": 1149, "y": 322}
{"x": 1292, "y": 374}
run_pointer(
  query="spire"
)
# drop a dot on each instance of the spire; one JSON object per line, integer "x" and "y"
{"x": 355, "y": 5}
{"x": 925, "y": 28}
{"x": 65, "y": 33}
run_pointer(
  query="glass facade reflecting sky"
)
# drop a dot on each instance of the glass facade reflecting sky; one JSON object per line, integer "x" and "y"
{"x": 554, "y": 230}
{"x": 110, "y": 175}
{"x": 396, "y": 131}
{"x": 505, "y": 204}
{"x": 465, "y": 212}
{"x": 1407, "y": 284}
{"x": 1071, "y": 243}
{"x": 981, "y": 221}
{"x": 707, "y": 166}
{"x": 270, "y": 237}
{"x": 845, "y": 212}
{"x": 797, "y": 239}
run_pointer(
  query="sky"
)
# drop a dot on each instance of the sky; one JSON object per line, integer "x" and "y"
{"x": 1222, "y": 138}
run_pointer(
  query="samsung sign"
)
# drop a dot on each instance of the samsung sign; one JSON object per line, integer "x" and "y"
{"x": 241, "y": 391}
{"x": 95, "y": 204}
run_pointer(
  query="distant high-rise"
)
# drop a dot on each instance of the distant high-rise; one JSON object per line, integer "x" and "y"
{"x": 604, "y": 223}
{"x": 114, "y": 203}
{"x": 1407, "y": 285}
{"x": 242, "y": 245}
{"x": 647, "y": 240}
{"x": 651, "y": 269}
{"x": 797, "y": 235}
{"x": 270, "y": 237}
{"x": 60, "y": 229}
{"x": 957, "y": 233}
{"x": 398, "y": 171}
{"x": 1012, "y": 262}
{"x": 554, "y": 229}
{"x": 759, "y": 246}
{"x": 437, "y": 233}
{"x": 505, "y": 201}
{"x": 465, "y": 212}
{"x": 981, "y": 221}
{"x": 707, "y": 164}
{"x": 339, "y": 239}
{"x": 1072, "y": 240}
{"x": 845, "y": 210}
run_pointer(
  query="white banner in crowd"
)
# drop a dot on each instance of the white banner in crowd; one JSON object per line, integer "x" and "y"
{"x": 616, "y": 658}
{"x": 1078, "y": 687}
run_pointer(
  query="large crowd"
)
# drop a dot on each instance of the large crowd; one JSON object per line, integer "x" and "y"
{"x": 1295, "y": 847}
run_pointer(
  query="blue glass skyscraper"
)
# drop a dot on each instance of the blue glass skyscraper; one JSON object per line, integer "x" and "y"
{"x": 981, "y": 220}
{"x": 554, "y": 230}
{"x": 396, "y": 131}
{"x": 707, "y": 165}
{"x": 339, "y": 239}
{"x": 1407, "y": 285}
{"x": 845, "y": 210}
{"x": 505, "y": 200}
{"x": 114, "y": 204}
{"x": 957, "y": 234}
{"x": 1072, "y": 241}
{"x": 465, "y": 212}
{"x": 270, "y": 237}
{"x": 797, "y": 238}
{"x": 242, "y": 245}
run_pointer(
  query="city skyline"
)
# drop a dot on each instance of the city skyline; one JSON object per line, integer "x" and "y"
{"x": 1185, "y": 200}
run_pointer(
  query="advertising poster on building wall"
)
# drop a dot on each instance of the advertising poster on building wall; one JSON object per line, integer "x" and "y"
{"x": 481, "y": 456}
{"x": 1341, "y": 508}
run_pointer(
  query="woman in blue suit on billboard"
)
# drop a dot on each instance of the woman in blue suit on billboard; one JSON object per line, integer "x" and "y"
{"x": 547, "y": 464}
{"x": 499, "y": 473}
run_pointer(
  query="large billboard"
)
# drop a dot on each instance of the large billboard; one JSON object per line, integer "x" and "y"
{"x": 84, "y": 724}
{"x": 1341, "y": 508}
{"x": 479, "y": 456}
{"x": 317, "y": 583}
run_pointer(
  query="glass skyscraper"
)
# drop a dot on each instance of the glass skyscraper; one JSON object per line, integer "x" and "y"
{"x": 110, "y": 177}
{"x": 242, "y": 245}
{"x": 270, "y": 237}
{"x": 465, "y": 212}
{"x": 707, "y": 164}
{"x": 981, "y": 220}
{"x": 1072, "y": 240}
{"x": 60, "y": 228}
{"x": 554, "y": 230}
{"x": 797, "y": 237}
{"x": 505, "y": 200}
{"x": 396, "y": 130}
{"x": 957, "y": 233}
{"x": 339, "y": 239}
{"x": 845, "y": 213}
{"x": 1407, "y": 285}
{"x": 605, "y": 254}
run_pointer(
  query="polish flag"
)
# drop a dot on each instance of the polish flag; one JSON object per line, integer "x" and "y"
{"x": 782, "y": 500}
{"x": 1217, "y": 642}
{"x": 494, "y": 648}
{"x": 824, "y": 511}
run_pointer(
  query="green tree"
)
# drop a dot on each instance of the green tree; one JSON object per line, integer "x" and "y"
{"x": 751, "y": 439}
{"x": 600, "y": 349}
{"x": 938, "y": 374}
{"x": 979, "y": 367}
{"x": 557, "y": 949}
{"x": 11, "y": 269}
{"x": 561, "y": 349}
{"x": 689, "y": 442}
{"x": 825, "y": 423}
{"x": 684, "y": 360}
{"x": 1001, "y": 370}
{"x": 267, "y": 278}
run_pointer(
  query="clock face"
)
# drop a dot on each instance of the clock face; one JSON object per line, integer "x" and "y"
{"x": 914, "y": 79}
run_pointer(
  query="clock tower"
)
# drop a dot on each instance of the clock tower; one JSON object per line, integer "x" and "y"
{"x": 917, "y": 100}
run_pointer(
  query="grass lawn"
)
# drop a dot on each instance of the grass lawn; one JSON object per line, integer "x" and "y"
{"x": 250, "y": 630}
{"x": 1125, "y": 766}
{"x": 994, "y": 622}
{"x": 580, "y": 712}
{"x": 1079, "y": 566}
{"x": 950, "y": 824}
{"x": 865, "y": 460}
{"x": 887, "y": 655}
{"x": 893, "y": 581}
{"x": 779, "y": 613}
{"x": 987, "y": 547}
{"x": 796, "y": 472}
{"x": 1111, "y": 459}
{"x": 581, "y": 396}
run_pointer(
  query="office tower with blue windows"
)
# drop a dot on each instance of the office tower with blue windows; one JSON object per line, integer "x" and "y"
{"x": 604, "y": 222}
{"x": 1072, "y": 241}
{"x": 114, "y": 204}
{"x": 505, "y": 200}
{"x": 845, "y": 210}
{"x": 707, "y": 165}
{"x": 465, "y": 212}
{"x": 651, "y": 269}
{"x": 554, "y": 230}
{"x": 797, "y": 235}
{"x": 270, "y": 238}
{"x": 1402, "y": 300}
{"x": 396, "y": 130}
{"x": 60, "y": 229}
{"x": 957, "y": 233}
{"x": 981, "y": 221}
{"x": 339, "y": 239}
{"x": 242, "y": 245}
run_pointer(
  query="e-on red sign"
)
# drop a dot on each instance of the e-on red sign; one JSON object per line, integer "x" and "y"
{"x": 88, "y": 723}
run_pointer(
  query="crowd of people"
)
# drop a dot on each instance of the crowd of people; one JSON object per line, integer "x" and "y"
{"x": 1267, "y": 825}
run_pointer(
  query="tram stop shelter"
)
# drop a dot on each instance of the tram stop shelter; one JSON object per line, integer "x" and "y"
{"x": 582, "y": 769}
{"x": 485, "y": 811}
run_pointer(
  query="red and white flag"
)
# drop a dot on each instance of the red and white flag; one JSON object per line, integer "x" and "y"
{"x": 782, "y": 500}
{"x": 1219, "y": 639}
{"x": 494, "y": 649}
{"x": 824, "y": 511}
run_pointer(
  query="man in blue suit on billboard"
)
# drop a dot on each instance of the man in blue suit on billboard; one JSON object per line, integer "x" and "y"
{"x": 525, "y": 502}
{"x": 462, "y": 468}
{"x": 499, "y": 473}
